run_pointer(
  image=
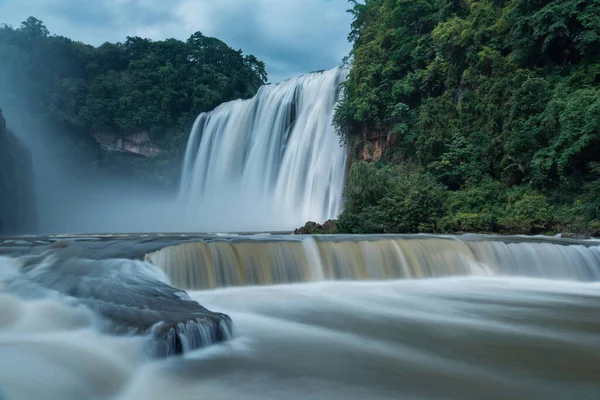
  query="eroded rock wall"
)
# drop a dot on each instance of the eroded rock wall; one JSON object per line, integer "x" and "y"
{"x": 17, "y": 193}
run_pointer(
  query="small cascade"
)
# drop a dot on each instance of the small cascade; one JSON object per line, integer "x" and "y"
{"x": 271, "y": 162}
{"x": 398, "y": 258}
{"x": 182, "y": 337}
{"x": 243, "y": 261}
{"x": 542, "y": 260}
{"x": 212, "y": 264}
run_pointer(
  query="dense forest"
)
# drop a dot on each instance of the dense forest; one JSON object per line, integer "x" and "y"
{"x": 473, "y": 115}
{"x": 157, "y": 87}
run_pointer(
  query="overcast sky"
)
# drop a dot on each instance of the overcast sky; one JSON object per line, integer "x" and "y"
{"x": 291, "y": 36}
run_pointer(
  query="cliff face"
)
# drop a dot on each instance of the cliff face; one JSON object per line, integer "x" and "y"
{"x": 137, "y": 143}
{"x": 17, "y": 194}
{"x": 373, "y": 146}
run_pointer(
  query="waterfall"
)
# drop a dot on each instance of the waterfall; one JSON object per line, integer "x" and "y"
{"x": 250, "y": 261}
{"x": 271, "y": 162}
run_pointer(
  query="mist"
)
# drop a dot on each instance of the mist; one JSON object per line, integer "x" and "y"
{"x": 74, "y": 196}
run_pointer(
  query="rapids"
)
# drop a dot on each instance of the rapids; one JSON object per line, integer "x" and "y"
{"x": 473, "y": 327}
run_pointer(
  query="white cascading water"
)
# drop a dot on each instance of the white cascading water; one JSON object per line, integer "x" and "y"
{"x": 224, "y": 262}
{"x": 270, "y": 162}
{"x": 361, "y": 321}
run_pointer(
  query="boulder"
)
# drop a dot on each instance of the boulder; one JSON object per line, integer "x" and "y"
{"x": 313, "y": 228}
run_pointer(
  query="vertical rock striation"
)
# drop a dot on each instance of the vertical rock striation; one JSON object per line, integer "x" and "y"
{"x": 17, "y": 194}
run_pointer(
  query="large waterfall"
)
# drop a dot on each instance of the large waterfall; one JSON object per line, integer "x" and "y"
{"x": 271, "y": 162}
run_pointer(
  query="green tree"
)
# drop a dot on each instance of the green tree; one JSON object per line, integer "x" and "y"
{"x": 140, "y": 85}
{"x": 487, "y": 98}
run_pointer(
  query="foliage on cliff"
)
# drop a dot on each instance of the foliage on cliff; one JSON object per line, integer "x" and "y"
{"x": 490, "y": 110}
{"x": 139, "y": 85}
{"x": 136, "y": 85}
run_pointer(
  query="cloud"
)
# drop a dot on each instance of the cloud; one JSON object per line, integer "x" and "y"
{"x": 291, "y": 36}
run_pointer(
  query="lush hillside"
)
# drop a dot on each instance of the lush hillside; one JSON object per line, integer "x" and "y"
{"x": 468, "y": 115}
{"x": 152, "y": 89}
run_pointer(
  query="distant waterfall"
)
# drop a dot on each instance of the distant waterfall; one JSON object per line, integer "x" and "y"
{"x": 274, "y": 160}
{"x": 280, "y": 259}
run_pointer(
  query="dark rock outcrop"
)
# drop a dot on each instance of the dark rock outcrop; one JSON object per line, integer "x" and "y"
{"x": 129, "y": 295}
{"x": 17, "y": 194}
{"x": 312, "y": 228}
{"x": 138, "y": 143}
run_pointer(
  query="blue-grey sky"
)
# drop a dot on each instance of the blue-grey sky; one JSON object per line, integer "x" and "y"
{"x": 291, "y": 36}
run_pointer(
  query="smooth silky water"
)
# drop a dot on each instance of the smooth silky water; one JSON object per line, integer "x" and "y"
{"x": 272, "y": 162}
{"x": 329, "y": 317}
{"x": 222, "y": 262}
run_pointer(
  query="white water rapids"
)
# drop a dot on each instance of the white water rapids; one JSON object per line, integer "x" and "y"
{"x": 457, "y": 337}
{"x": 469, "y": 338}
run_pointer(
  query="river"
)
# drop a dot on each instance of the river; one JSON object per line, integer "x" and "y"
{"x": 487, "y": 330}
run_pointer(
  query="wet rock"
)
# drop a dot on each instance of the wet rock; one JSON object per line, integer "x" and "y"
{"x": 132, "y": 297}
{"x": 313, "y": 228}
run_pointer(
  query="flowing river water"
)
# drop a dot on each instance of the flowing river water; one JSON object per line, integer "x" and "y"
{"x": 387, "y": 317}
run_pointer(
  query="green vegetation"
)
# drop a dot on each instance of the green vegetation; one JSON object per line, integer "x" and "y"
{"x": 313, "y": 228}
{"x": 490, "y": 113}
{"x": 157, "y": 87}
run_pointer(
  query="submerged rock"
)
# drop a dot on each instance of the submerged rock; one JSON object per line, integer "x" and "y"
{"x": 132, "y": 297}
{"x": 17, "y": 194}
{"x": 579, "y": 236}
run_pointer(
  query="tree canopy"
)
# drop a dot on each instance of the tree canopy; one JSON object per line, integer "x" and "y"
{"x": 497, "y": 101}
{"x": 73, "y": 91}
{"x": 138, "y": 84}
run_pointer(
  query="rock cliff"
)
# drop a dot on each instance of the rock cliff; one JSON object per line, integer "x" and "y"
{"x": 138, "y": 143}
{"x": 17, "y": 194}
